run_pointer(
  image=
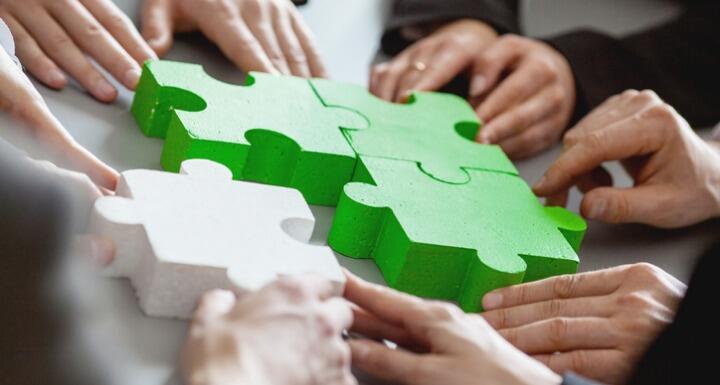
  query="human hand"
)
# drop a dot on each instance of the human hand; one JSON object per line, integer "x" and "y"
{"x": 288, "y": 333}
{"x": 20, "y": 98}
{"x": 451, "y": 347}
{"x": 676, "y": 174}
{"x": 256, "y": 35}
{"x": 54, "y": 36}
{"x": 433, "y": 61}
{"x": 601, "y": 322}
{"x": 528, "y": 110}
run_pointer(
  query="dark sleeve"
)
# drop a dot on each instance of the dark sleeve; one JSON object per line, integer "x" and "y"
{"x": 678, "y": 60}
{"x": 501, "y": 14}
{"x": 34, "y": 216}
{"x": 683, "y": 352}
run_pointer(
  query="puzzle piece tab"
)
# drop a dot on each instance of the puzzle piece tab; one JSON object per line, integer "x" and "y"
{"x": 454, "y": 242}
{"x": 179, "y": 235}
{"x": 436, "y": 130}
{"x": 272, "y": 130}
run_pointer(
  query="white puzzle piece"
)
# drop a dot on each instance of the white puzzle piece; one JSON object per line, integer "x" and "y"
{"x": 180, "y": 235}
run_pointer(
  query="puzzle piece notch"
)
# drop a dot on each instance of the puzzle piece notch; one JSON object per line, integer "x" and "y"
{"x": 434, "y": 129}
{"x": 453, "y": 242}
{"x": 178, "y": 236}
{"x": 272, "y": 130}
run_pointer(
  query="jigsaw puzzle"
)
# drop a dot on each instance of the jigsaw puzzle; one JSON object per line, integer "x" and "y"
{"x": 436, "y": 130}
{"x": 179, "y": 235}
{"x": 271, "y": 130}
{"x": 442, "y": 216}
{"x": 447, "y": 241}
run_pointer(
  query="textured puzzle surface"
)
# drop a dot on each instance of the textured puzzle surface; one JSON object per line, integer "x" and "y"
{"x": 272, "y": 130}
{"x": 441, "y": 215}
{"x": 448, "y": 241}
{"x": 179, "y": 235}
{"x": 434, "y": 129}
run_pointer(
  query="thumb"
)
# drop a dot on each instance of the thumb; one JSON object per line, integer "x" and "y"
{"x": 629, "y": 205}
{"x": 157, "y": 25}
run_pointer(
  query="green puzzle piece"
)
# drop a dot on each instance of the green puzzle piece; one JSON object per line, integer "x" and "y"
{"x": 453, "y": 242}
{"x": 435, "y": 129}
{"x": 271, "y": 130}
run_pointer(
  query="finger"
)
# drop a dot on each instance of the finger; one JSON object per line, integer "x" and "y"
{"x": 388, "y": 364}
{"x": 289, "y": 43}
{"x": 388, "y": 75}
{"x": 627, "y": 205}
{"x": 234, "y": 38}
{"x": 157, "y": 25}
{"x": 422, "y": 56}
{"x": 385, "y": 304}
{"x": 33, "y": 57}
{"x": 525, "y": 81}
{"x": 444, "y": 66}
{"x": 535, "y": 139}
{"x": 491, "y": 64}
{"x": 521, "y": 315}
{"x": 562, "y": 334}
{"x": 55, "y": 138}
{"x": 61, "y": 49}
{"x": 121, "y": 28}
{"x": 523, "y": 116}
{"x": 212, "y": 305}
{"x": 591, "y": 150}
{"x": 596, "y": 364}
{"x": 100, "y": 250}
{"x": 589, "y": 284}
{"x": 260, "y": 23}
{"x": 301, "y": 288}
{"x": 307, "y": 42}
{"x": 94, "y": 39}
{"x": 372, "y": 327}
{"x": 337, "y": 314}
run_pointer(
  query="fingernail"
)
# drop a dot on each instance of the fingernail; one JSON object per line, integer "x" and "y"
{"x": 56, "y": 78}
{"x": 541, "y": 183}
{"x": 104, "y": 90}
{"x": 485, "y": 138}
{"x": 492, "y": 301}
{"x": 132, "y": 76}
{"x": 597, "y": 209}
{"x": 102, "y": 251}
{"x": 477, "y": 85}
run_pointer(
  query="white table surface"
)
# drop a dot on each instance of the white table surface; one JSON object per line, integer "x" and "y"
{"x": 135, "y": 349}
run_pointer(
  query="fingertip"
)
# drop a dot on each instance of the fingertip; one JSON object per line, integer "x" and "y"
{"x": 360, "y": 350}
{"x": 55, "y": 79}
{"x": 492, "y": 300}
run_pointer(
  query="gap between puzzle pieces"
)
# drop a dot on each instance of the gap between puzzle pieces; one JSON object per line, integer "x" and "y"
{"x": 305, "y": 134}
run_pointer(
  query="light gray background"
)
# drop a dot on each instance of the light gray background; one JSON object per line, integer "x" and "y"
{"x": 139, "y": 350}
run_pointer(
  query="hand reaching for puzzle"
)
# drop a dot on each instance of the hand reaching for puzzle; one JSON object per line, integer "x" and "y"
{"x": 55, "y": 36}
{"x": 288, "y": 333}
{"x": 675, "y": 172}
{"x": 19, "y": 97}
{"x": 601, "y": 322}
{"x": 432, "y": 62}
{"x": 256, "y": 35}
{"x": 449, "y": 346}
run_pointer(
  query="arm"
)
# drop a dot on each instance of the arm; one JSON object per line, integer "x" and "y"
{"x": 502, "y": 15}
{"x": 674, "y": 59}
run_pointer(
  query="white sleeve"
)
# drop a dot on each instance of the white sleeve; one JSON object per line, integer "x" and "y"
{"x": 6, "y": 41}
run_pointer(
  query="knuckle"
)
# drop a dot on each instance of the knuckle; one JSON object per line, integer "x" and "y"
{"x": 93, "y": 31}
{"x": 564, "y": 286}
{"x": 647, "y": 96}
{"x": 634, "y": 301}
{"x": 442, "y": 311}
{"x": 553, "y": 308}
{"x": 646, "y": 272}
{"x": 292, "y": 288}
{"x": 660, "y": 111}
{"x": 557, "y": 97}
{"x": 59, "y": 41}
{"x": 513, "y": 41}
{"x": 557, "y": 330}
{"x": 117, "y": 21}
{"x": 324, "y": 323}
{"x": 580, "y": 361}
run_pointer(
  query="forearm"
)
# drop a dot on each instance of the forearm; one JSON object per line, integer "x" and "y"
{"x": 502, "y": 15}
{"x": 675, "y": 60}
